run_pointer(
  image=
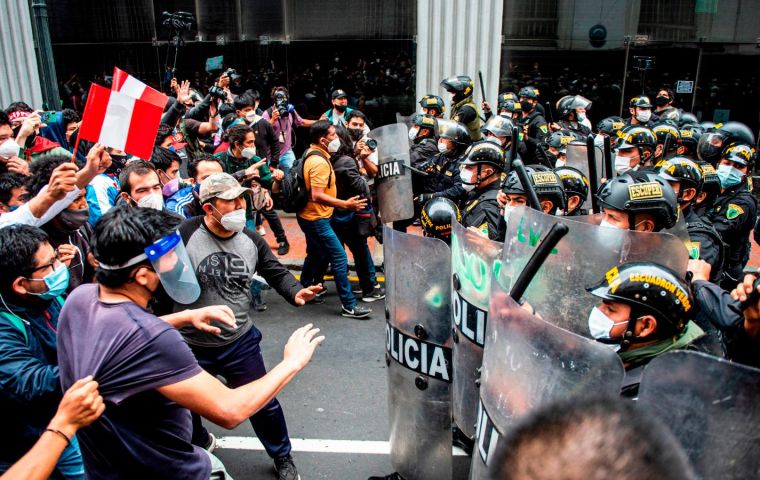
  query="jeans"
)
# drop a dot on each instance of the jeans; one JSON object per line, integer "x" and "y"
{"x": 240, "y": 363}
{"x": 323, "y": 247}
{"x": 348, "y": 234}
{"x": 218, "y": 471}
{"x": 287, "y": 160}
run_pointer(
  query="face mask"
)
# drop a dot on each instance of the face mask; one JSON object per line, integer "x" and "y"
{"x": 413, "y": 133}
{"x": 560, "y": 163}
{"x": 154, "y": 201}
{"x": 117, "y": 163}
{"x": 9, "y": 148}
{"x": 443, "y": 147}
{"x": 580, "y": 116}
{"x": 508, "y": 211}
{"x": 251, "y": 116}
{"x": 333, "y": 146}
{"x": 644, "y": 116}
{"x": 171, "y": 187}
{"x": 356, "y": 133}
{"x": 526, "y": 106}
{"x": 560, "y": 213}
{"x": 233, "y": 221}
{"x": 72, "y": 220}
{"x": 600, "y": 325}
{"x": 661, "y": 101}
{"x": 341, "y": 108}
{"x": 248, "y": 153}
{"x": 622, "y": 164}
{"x": 56, "y": 281}
{"x": 605, "y": 223}
{"x": 729, "y": 176}
{"x": 467, "y": 177}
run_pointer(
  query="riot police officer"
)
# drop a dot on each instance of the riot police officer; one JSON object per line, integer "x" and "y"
{"x": 498, "y": 130}
{"x": 646, "y": 310}
{"x": 463, "y": 109}
{"x": 424, "y": 147}
{"x": 638, "y": 201}
{"x": 510, "y": 109}
{"x": 641, "y": 111}
{"x": 610, "y": 127}
{"x": 436, "y": 218}
{"x": 576, "y": 187}
{"x": 667, "y": 136}
{"x": 504, "y": 97}
{"x": 710, "y": 190}
{"x": 688, "y": 138}
{"x": 687, "y": 118}
{"x": 635, "y": 149}
{"x": 546, "y": 184}
{"x": 715, "y": 141}
{"x": 555, "y": 147}
{"x": 735, "y": 209}
{"x": 443, "y": 169}
{"x": 480, "y": 174}
{"x": 685, "y": 177}
{"x": 571, "y": 110}
{"x": 533, "y": 122}
{"x": 432, "y": 105}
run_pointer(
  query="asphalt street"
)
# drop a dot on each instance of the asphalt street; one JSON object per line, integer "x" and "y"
{"x": 340, "y": 398}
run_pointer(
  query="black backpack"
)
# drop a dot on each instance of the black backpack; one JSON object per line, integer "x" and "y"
{"x": 294, "y": 193}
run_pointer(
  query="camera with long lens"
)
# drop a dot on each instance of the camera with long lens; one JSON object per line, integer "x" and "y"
{"x": 281, "y": 103}
{"x": 218, "y": 93}
{"x": 232, "y": 73}
{"x": 371, "y": 143}
{"x": 178, "y": 21}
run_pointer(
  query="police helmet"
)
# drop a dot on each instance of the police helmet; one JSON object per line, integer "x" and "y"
{"x": 485, "y": 153}
{"x": 546, "y": 184}
{"x": 689, "y": 136}
{"x": 528, "y": 92}
{"x": 688, "y": 118}
{"x": 574, "y": 182}
{"x": 433, "y": 101}
{"x": 507, "y": 96}
{"x": 682, "y": 170}
{"x": 454, "y": 131}
{"x": 650, "y": 289}
{"x": 741, "y": 154}
{"x": 436, "y": 218}
{"x": 640, "y": 102}
{"x": 499, "y": 126}
{"x": 425, "y": 121}
{"x": 511, "y": 106}
{"x": 635, "y": 136}
{"x": 610, "y": 126}
{"x": 569, "y": 103}
{"x": 666, "y": 132}
{"x": 641, "y": 192}
{"x": 716, "y": 140}
{"x": 560, "y": 139}
{"x": 710, "y": 183}
{"x": 460, "y": 86}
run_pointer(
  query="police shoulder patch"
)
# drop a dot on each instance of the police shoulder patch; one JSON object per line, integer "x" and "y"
{"x": 543, "y": 129}
{"x": 484, "y": 229}
{"x": 733, "y": 211}
{"x": 694, "y": 249}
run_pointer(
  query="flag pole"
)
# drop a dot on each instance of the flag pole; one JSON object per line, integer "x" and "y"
{"x": 76, "y": 149}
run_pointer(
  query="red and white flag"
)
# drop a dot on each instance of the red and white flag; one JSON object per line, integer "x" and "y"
{"x": 129, "y": 85}
{"x": 119, "y": 121}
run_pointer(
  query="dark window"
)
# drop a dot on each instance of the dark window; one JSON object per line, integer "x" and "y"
{"x": 668, "y": 20}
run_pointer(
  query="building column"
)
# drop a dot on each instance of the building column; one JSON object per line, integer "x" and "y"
{"x": 19, "y": 75}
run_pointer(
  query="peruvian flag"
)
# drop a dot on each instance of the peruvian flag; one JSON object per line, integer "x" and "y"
{"x": 120, "y": 121}
{"x": 129, "y": 85}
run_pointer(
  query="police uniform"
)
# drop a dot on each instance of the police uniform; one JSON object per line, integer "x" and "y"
{"x": 466, "y": 112}
{"x": 733, "y": 216}
{"x": 420, "y": 155}
{"x": 706, "y": 243}
{"x": 537, "y": 132}
{"x": 443, "y": 179}
{"x": 481, "y": 210}
{"x": 576, "y": 127}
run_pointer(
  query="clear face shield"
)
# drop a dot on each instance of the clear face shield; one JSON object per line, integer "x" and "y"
{"x": 171, "y": 262}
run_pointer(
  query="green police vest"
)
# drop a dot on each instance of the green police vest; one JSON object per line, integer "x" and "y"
{"x": 475, "y": 124}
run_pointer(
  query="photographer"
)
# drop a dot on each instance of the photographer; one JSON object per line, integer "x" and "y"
{"x": 284, "y": 118}
{"x": 365, "y": 149}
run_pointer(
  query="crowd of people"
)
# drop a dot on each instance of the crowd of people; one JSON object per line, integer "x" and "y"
{"x": 131, "y": 284}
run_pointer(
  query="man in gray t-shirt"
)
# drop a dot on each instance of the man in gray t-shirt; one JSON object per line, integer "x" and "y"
{"x": 225, "y": 256}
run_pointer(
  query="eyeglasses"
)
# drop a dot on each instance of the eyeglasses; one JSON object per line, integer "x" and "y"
{"x": 52, "y": 264}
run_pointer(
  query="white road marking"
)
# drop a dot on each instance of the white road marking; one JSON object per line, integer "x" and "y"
{"x": 317, "y": 445}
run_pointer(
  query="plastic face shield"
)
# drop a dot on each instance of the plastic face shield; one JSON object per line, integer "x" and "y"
{"x": 172, "y": 264}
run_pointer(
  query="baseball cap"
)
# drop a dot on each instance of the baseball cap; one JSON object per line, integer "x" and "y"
{"x": 221, "y": 185}
{"x": 338, "y": 94}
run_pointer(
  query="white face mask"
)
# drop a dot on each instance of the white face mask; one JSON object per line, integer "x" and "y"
{"x": 605, "y": 223}
{"x": 622, "y": 164}
{"x": 560, "y": 163}
{"x": 580, "y": 116}
{"x": 508, "y": 211}
{"x": 644, "y": 116}
{"x": 251, "y": 117}
{"x": 248, "y": 153}
{"x": 154, "y": 200}
{"x": 443, "y": 147}
{"x": 333, "y": 146}
{"x": 233, "y": 221}
{"x": 413, "y": 133}
{"x": 560, "y": 213}
{"x": 600, "y": 325}
{"x": 467, "y": 177}
{"x": 9, "y": 148}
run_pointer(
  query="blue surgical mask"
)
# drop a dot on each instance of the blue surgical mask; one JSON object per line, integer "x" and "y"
{"x": 57, "y": 282}
{"x": 729, "y": 176}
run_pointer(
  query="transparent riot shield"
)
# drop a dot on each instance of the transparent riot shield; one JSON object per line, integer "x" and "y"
{"x": 711, "y": 406}
{"x": 418, "y": 354}
{"x": 580, "y": 259}
{"x": 405, "y": 119}
{"x": 679, "y": 230}
{"x": 394, "y": 179}
{"x": 528, "y": 363}
{"x": 473, "y": 259}
{"x": 578, "y": 159}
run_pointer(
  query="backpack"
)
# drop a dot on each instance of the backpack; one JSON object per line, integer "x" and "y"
{"x": 294, "y": 194}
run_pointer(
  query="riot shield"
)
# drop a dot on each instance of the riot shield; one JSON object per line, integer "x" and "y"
{"x": 473, "y": 259}
{"x": 418, "y": 354}
{"x": 711, "y": 406}
{"x": 580, "y": 259}
{"x": 528, "y": 363}
{"x": 405, "y": 119}
{"x": 578, "y": 159}
{"x": 679, "y": 230}
{"x": 394, "y": 179}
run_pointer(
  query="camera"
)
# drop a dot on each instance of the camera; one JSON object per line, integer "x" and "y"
{"x": 178, "y": 21}
{"x": 218, "y": 92}
{"x": 371, "y": 143}
{"x": 232, "y": 73}
{"x": 281, "y": 103}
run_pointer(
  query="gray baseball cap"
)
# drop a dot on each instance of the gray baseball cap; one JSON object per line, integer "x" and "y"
{"x": 221, "y": 185}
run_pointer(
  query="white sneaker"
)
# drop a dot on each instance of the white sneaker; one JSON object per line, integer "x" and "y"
{"x": 261, "y": 231}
